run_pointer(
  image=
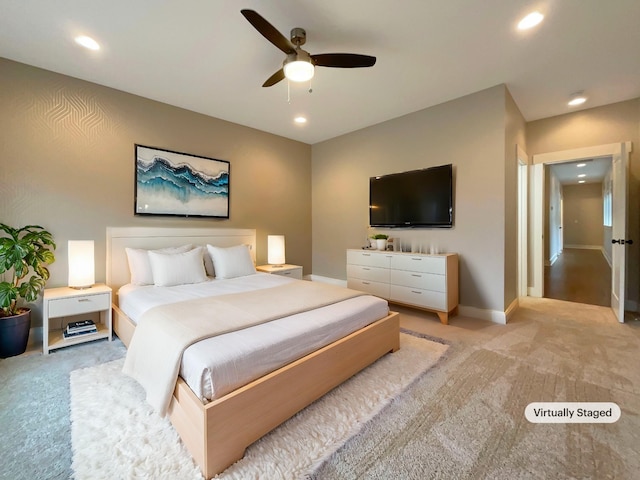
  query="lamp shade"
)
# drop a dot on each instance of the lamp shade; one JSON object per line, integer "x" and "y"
{"x": 81, "y": 264}
{"x": 275, "y": 249}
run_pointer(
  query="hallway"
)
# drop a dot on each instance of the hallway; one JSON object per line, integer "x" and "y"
{"x": 579, "y": 275}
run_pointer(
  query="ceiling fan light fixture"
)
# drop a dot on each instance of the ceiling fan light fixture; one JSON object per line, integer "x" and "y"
{"x": 299, "y": 70}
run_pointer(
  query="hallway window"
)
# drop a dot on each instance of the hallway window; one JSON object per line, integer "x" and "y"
{"x": 606, "y": 197}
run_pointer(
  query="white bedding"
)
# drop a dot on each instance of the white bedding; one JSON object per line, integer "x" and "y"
{"x": 218, "y": 365}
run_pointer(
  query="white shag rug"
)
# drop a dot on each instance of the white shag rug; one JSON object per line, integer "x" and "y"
{"x": 116, "y": 435}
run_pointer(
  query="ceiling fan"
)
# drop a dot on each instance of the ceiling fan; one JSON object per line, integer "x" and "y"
{"x": 299, "y": 65}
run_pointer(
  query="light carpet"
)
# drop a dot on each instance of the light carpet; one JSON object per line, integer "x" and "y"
{"x": 115, "y": 434}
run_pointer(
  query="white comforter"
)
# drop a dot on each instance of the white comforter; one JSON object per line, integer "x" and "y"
{"x": 218, "y": 365}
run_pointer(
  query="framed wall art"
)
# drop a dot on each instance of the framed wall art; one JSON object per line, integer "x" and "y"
{"x": 180, "y": 184}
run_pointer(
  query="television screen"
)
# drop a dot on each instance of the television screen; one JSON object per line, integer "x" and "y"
{"x": 418, "y": 198}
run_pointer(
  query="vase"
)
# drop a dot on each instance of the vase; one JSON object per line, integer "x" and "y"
{"x": 14, "y": 334}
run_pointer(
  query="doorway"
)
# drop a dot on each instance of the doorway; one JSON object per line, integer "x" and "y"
{"x": 577, "y": 249}
{"x": 618, "y": 154}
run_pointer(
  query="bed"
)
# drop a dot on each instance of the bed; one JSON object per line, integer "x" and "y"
{"x": 217, "y": 427}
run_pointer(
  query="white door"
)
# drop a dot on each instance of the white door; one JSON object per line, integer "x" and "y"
{"x": 619, "y": 231}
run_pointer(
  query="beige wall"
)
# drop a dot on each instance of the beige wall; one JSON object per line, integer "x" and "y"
{"x": 468, "y": 132}
{"x": 67, "y": 163}
{"x": 618, "y": 122}
{"x": 582, "y": 206}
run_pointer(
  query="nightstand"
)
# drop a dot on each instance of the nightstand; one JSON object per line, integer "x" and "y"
{"x": 59, "y": 303}
{"x": 293, "y": 271}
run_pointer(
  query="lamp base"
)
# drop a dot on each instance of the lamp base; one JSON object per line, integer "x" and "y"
{"x": 83, "y": 287}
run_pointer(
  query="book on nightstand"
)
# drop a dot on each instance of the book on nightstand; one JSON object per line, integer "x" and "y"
{"x": 69, "y": 335}
{"x": 79, "y": 328}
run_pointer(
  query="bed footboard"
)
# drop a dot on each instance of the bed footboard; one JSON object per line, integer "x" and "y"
{"x": 217, "y": 434}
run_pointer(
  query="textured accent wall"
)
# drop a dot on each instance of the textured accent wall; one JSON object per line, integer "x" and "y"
{"x": 67, "y": 163}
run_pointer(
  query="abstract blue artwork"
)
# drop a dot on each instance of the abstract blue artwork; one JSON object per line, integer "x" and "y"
{"x": 173, "y": 183}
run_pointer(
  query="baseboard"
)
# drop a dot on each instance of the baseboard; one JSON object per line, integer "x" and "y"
{"x": 585, "y": 247}
{"x": 494, "y": 316}
{"x": 511, "y": 309}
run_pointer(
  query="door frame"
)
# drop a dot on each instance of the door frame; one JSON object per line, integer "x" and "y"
{"x": 537, "y": 186}
{"x": 523, "y": 221}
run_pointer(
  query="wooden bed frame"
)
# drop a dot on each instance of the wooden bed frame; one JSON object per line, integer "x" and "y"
{"x": 217, "y": 433}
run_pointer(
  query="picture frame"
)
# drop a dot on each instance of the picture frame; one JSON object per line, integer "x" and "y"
{"x": 179, "y": 184}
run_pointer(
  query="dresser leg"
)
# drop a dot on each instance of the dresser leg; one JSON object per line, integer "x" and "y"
{"x": 444, "y": 317}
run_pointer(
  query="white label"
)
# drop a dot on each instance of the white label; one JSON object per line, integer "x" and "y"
{"x": 572, "y": 412}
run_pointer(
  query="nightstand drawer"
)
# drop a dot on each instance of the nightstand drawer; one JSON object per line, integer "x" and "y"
{"x": 64, "y": 307}
{"x": 293, "y": 273}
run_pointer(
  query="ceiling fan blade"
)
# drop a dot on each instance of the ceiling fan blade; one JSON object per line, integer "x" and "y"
{"x": 275, "y": 78}
{"x": 268, "y": 31}
{"x": 343, "y": 60}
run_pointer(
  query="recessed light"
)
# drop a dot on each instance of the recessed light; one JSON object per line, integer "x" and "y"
{"x": 582, "y": 175}
{"x": 530, "y": 21}
{"x": 87, "y": 42}
{"x": 581, "y": 165}
{"x": 580, "y": 181}
{"x": 300, "y": 120}
{"x": 576, "y": 99}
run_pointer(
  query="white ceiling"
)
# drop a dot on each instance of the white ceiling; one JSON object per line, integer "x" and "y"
{"x": 204, "y": 56}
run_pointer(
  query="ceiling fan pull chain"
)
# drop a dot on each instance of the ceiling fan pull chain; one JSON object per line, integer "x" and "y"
{"x": 310, "y": 86}
{"x": 288, "y": 91}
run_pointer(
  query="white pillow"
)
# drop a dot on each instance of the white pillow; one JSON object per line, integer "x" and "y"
{"x": 208, "y": 263}
{"x": 231, "y": 262}
{"x": 139, "y": 266}
{"x": 177, "y": 268}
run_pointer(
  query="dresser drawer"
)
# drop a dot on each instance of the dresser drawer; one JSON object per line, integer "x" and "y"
{"x": 374, "y": 288}
{"x": 418, "y": 297}
{"x": 425, "y": 281}
{"x": 415, "y": 263}
{"x": 362, "y": 272}
{"x": 369, "y": 259}
{"x": 64, "y": 307}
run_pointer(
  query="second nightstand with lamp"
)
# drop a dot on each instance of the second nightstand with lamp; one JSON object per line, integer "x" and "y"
{"x": 69, "y": 307}
{"x": 276, "y": 259}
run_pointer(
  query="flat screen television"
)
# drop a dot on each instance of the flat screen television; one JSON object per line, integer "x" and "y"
{"x": 418, "y": 198}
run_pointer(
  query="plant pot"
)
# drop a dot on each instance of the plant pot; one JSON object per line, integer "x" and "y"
{"x": 381, "y": 243}
{"x": 14, "y": 334}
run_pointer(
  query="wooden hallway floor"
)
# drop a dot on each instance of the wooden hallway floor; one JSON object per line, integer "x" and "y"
{"x": 579, "y": 275}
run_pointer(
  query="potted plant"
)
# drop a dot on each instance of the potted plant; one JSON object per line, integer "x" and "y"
{"x": 25, "y": 254}
{"x": 381, "y": 240}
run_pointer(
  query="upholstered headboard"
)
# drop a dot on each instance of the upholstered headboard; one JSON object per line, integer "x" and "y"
{"x": 119, "y": 238}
